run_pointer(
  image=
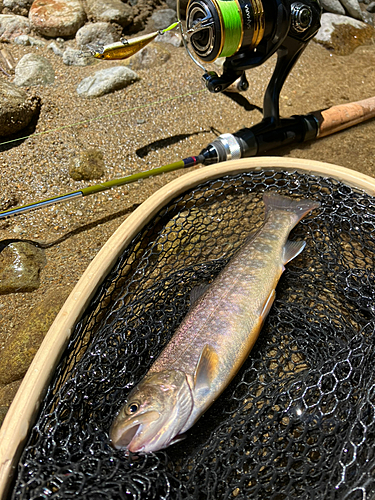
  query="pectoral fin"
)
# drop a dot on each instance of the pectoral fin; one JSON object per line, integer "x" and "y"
{"x": 206, "y": 368}
{"x": 292, "y": 249}
{"x": 197, "y": 293}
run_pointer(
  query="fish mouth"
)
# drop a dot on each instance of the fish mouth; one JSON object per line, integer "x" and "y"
{"x": 123, "y": 433}
{"x": 124, "y": 438}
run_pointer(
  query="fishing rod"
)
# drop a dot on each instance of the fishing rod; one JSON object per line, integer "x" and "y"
{"x": 242, "y": 144}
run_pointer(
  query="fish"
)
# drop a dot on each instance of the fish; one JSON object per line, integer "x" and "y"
{"x": 214, "y": 338}
{"x": 126, "y": 47}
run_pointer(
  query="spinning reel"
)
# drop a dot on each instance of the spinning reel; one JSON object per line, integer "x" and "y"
{"x": 247, "y": 33}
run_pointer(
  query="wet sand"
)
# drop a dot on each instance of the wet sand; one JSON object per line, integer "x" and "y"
{"x": 121, "y": 123}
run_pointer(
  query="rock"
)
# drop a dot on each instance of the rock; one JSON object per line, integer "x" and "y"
{"x": 20, "y": 349}
{"x": 56, "y": 49}
{"x": 53, "y": 18}
{"x": 353, "y": 8}
{"x": 12, "y": 26}
{"x": 154, "y": 54}
{"x": 89, "y": 165}
{"x": 19, "y": 7}
{"x": 106, "y": 81}
{"x": 333, "y": 6}
{"x": 172, "y": 37}
{"x": 20, "y": 266}
{"x": 16, "y": 108}
{"x": 33, "y": 69}
{"x": 342, "y": 33}
{"x": 3, "y": 412}
{"x": 172, "y": 4}
{"x": 371, "y": 8}
{"x": 110, "y": 11}
{"x": 97, "y": 33}
{"x": 28, "y": 40}
{"x": 163, "y": 18}
{"x": 74, "y": 57}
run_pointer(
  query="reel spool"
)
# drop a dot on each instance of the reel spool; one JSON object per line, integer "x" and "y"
{"x": 221, "y": 28}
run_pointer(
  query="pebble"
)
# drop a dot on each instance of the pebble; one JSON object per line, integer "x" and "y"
{"x": 333, "y": 6}
{"x": 33, "y": 69}
{"x": 54, "y": 18}
{"x": 16, "y": 110}
{"x": 371, "y": 8}
{"x": 87, "y": 166}
{"x": 330, "y": 22}
{"x": 97, "y": 33}
{"x": 29, "y": 40}
{"x": 353, "y": 8}
{"x": 56, "y": 49}
{"x": 74, "y": 57}
{"x": 19, "y": 7}
{"x": 20, "y": 265}
{"x": 154, "y": 54}
{"x": 106, "y": 81}
{"x": 171, "y": 37}
{"x": 21, "y": 347}
{"x": 163, "y": 18}
{"x": 114, "y": 11}
{"x": 12, "y": 26}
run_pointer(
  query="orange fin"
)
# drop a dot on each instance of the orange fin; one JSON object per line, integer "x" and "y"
{"x": 206, "y": 368}
{"x": 268, "y": 305}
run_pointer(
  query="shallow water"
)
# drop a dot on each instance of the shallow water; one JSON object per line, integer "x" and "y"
{"x": 148, "y": 118}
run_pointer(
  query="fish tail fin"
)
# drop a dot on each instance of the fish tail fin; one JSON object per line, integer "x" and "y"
{"x": 299, "y": 208}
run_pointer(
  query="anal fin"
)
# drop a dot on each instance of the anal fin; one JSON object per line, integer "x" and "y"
{"x": 267, "y": 306}
{"x": 292, "y": 249}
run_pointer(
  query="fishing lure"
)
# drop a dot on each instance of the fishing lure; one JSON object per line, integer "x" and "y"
{"x": 126, "y": 47}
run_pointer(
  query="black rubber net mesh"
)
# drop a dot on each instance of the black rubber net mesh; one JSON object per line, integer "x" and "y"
{"x": 298, "y": 420}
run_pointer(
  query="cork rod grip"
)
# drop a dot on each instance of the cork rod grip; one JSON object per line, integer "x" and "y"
{"x": 343, "y": 116}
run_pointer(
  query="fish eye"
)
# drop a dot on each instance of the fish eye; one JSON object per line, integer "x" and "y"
{"x": 132, "y": 408}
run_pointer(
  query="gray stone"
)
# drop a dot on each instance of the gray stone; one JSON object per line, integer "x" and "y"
{"x": 20, "y": 265}
{"x": 172, "y": 4}
{"x": 87, "y": 166}
{"x": 371, "y": 8}
{"x": 16, "y": 108}
{"x": 329, "y": 22}
{"x": 74, "y": 57}
{"x": 97, "y": 33}
{"x": 163, "y": 18}
{"x": 19, "y": 7}
{"x": 29, "y": 40}
{"x": 106, "y": 81}
{"x": 53, "y": 18}
{"x": 333, "y": 6}
{"x": 12, "y": 26}
{"x": 110, "y": 11}
{"x": 353, "y": 8}
{"x": 33, "y": 69}
{"x": 56, "y": 49}
{"x": 171, "y": 37}
{"x": 154, "y": 54}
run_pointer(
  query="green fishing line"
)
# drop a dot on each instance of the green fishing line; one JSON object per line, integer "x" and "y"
{"x": 232, "y": 26}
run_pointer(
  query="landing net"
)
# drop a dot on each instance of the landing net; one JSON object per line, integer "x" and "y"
{"x": 297, "y": 422}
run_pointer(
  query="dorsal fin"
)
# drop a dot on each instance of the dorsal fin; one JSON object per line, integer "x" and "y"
{"x": 206, "y": 368}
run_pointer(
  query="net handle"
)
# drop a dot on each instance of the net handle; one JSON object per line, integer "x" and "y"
{"x": 23, "y": 411}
